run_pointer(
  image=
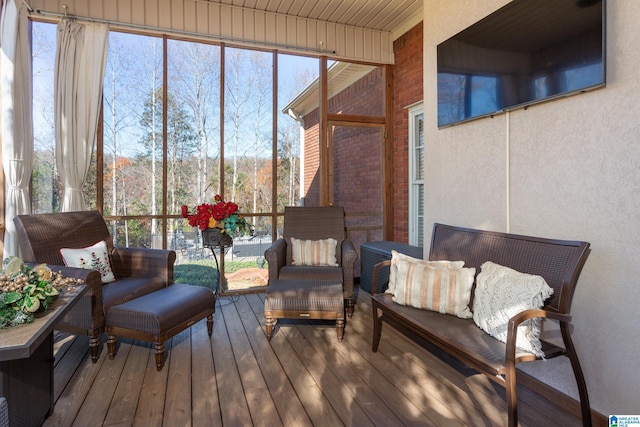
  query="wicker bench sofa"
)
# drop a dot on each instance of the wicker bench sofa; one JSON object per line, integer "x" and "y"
{"x": 558, "y": 262}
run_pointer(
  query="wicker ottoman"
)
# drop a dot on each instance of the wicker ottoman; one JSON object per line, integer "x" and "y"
{"x": 159, "y": 315}
{"x": 304, "y": 299}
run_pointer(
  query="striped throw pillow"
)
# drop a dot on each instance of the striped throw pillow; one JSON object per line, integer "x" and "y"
{"x": 398, "y": 258}
{"x": 314, "y": 252}
{"x": 444, "y": 289}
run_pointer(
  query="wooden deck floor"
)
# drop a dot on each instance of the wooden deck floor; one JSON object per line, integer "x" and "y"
{"x": 304, "y": 377}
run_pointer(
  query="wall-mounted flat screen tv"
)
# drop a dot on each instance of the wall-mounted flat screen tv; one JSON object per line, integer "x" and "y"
{"x": 526, "y": 52}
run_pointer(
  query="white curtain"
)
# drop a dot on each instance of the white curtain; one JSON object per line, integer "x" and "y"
{"x": 17, "y": 123}
{"x": 80, "y": 62}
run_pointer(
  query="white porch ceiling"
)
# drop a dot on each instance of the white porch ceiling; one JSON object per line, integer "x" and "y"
{"x": 380, "y": 15}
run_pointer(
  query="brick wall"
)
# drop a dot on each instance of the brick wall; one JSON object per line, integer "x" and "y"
{"x": 357, "y": 153}
{"x": 311, "y": 190}
{"x": 357, "y": 150}
{"x": 407, "y": 90}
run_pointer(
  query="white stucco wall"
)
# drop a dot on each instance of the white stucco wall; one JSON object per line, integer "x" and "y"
{"x": 567, "y": 169}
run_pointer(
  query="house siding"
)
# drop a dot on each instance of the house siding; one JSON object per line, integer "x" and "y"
{"x": 565, "y": 169}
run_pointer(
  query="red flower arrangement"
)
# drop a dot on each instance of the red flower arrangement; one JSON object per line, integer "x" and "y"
{"x": 221, "y": 214}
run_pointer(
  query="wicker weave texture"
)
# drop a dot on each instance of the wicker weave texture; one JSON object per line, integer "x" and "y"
{"x": 307, "y": 295}
{"x": 4, "y": 413}
{"x": 314, "y": 223}
{"x": 558, "y": 262}
{"x": 42, "y": 236}
{"x": 159, "y": 311}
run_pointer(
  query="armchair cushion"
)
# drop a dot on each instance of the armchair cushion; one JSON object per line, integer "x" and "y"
{"x": 309, "y": 272}
{"x": 314, "y": 252}
{"x": 127, "y": 288}
{"x": 94, "y": 257}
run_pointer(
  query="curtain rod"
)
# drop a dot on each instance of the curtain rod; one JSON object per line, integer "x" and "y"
{"x": 181, "y": 33}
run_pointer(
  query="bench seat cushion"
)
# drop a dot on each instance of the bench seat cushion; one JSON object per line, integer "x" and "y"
{"x": 461, "y": 337}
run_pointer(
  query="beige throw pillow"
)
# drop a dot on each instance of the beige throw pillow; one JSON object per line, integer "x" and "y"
{"x": 94, "y": 257}
{"x": 397, "y": 258}
{"x": 314, "y": 252}
{"x": 441, "y": 286}
{"x": 500, "y": 294}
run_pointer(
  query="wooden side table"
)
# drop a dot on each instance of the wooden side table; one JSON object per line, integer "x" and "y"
{"x": 26, "y": 363}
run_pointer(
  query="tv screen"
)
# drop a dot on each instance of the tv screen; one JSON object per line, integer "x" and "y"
{"x": 525, "y": 52}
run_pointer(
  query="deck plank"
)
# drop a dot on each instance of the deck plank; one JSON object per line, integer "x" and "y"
{"x": 310, "y": 395}
{"x": 205, "y": 396}
{"x": 71, "y": 399}
{"x": 96, "y": 405}
{"x": 177, "y": 406}
{"x": 127, "y": 392}
{"x": 303, "y": 377}
{"x": 284, "y": 397}
{"x": 233, "y": 404}
{"x": 150, "y": 410}
{"x": 262, "y": 408}
{"x": 422, "y": 368}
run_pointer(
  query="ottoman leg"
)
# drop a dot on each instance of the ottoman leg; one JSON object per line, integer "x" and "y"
{"x": 159, "y": 355}
{"x": 269, "y": 324}
{"x": 93, "y": 347}
{"x": 340, "y": 329}
{"x": 111, "y": 346}
{"x": 210, "y": 324}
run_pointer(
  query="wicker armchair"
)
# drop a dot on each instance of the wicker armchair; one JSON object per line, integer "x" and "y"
{"x": 314, "y": 223}
{"x": 138, "y": 271}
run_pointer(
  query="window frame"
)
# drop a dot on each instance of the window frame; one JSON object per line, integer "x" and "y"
{"x": 414, "y": 112}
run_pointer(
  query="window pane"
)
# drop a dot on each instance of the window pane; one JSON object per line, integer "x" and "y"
{"x": 419, "y": 147}
{"x": 248, "y": 155}
{"x": 295, "y": 73}
{"x": 47, "y": 193}
{"x": 133, "y": 150}
{"x": 193, "y": 134}
{"x": 135, "y": 233}
{"x": 248, "y": 130}
{"x": 416, "y": 176}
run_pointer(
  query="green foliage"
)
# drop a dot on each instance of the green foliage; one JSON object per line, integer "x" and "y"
{"x": 9, "y": 316}
{"x": 204, "y": 273}
{"x": 200, "y": 273}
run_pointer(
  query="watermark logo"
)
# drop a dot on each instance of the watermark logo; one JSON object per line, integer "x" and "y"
{"x": 624, "y": 420}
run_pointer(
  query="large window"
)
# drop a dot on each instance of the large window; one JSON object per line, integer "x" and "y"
{"x": 183, "y": 120}
{"x": 416, "y": 175}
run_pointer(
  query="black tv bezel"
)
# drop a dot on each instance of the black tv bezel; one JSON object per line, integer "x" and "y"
{"x": 527, "y": 104}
